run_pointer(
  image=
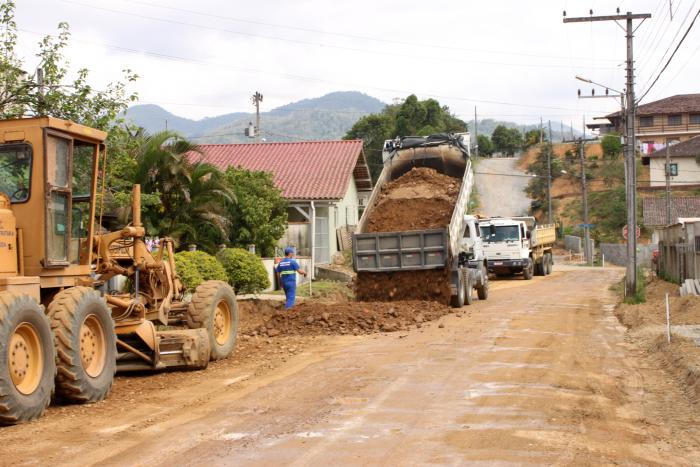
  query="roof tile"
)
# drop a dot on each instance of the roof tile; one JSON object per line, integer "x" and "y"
{"x": 654, "y": 209}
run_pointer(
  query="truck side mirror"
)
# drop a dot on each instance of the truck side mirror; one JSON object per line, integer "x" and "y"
{"x": 528, "y": 235}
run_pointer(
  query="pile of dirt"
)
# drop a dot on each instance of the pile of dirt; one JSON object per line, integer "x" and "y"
{"x": 420, "y": 199}
{"x": 403, "y": 285}
{"x": 317, "y": 318}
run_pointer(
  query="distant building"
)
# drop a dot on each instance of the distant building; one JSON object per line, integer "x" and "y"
{"x": 666, "y": 121}
{"x": 654, "y": 212}
{"x": 684, "y": 165}
{"x": 326, "y": 184}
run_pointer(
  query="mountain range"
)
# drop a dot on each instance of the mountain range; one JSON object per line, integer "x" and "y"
{"x": 326, "y": 117}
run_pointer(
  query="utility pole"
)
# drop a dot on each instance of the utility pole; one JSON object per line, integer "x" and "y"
{"x": 476, "y": 134}
{"x": 257, "y": 99}
{"x": 630, "y": 143}
{"x": 584, "y": 194}
{"x": 668, "y": 186}
{"x": 561, "y": 130}
{"x": 541, "y": 130}
{"x": 549, "y": 174}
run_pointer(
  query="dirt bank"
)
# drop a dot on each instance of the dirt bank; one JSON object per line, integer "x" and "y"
{"x": 420, "y": 199}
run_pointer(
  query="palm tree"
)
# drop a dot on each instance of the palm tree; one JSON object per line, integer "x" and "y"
{"x": 193, "y": 194}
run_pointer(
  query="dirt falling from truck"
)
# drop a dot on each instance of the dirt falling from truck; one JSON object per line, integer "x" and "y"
{"x": 420, "y": 199}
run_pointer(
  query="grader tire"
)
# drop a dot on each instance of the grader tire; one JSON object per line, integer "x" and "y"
{"x": 214, "y": 308}
{"x": 86, "y": 345}
{"x": 27, "y": 362}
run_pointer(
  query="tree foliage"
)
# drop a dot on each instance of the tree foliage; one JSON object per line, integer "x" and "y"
{"x": 22, "y": 93}
{"x": 507, "y": 140}
{"x": 408, "y": 118}
{"x": 485, "y": 145}
{"x": 195, "y": 267}
{"x": 537, "y": 187}
{"x": 258, "y": 214}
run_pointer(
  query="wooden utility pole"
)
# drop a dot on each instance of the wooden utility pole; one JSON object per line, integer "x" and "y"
{"x": 630, "y": 143}
{"x": 257, "y": 99}
{"x": 584, "y": 194}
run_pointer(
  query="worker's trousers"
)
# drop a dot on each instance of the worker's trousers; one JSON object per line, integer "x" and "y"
{"x": 290, "y": 291}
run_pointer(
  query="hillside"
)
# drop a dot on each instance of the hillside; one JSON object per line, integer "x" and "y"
{"x": 325, "y": 117}
{"x": 487, "y": 125}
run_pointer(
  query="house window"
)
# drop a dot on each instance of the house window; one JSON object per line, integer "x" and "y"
{"x": 674, "y": 120}
{"x": 673, "y": 172}
{"x": 694, "y": 119}
{"x": 646, "y": 121}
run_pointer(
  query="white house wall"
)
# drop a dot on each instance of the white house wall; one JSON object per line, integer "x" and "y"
{"x": 688, "y": 171}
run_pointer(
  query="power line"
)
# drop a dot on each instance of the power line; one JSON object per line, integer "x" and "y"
{"x": 304, "y": 78}
{"x": 316, "y": 44}
{"x": 352, "y": 36}
{"x": 671, "y": 57}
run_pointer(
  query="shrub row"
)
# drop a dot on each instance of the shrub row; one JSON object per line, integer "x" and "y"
{"x": 243, "y": 270}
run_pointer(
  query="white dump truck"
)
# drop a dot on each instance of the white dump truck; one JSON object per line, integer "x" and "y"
{"x": 518, "y": 245}
{"x": 456, "y": 248}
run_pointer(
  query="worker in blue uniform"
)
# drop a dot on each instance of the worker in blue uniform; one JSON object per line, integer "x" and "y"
{"x": 287, "y": 270}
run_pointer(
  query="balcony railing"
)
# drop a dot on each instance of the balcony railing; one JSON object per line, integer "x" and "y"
{"x": 664, "y": 128}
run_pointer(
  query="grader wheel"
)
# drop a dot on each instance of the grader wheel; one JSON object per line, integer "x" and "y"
{"x": 86, "y": 350}
{"x": 214, "y": 308}
{"x": 27, "y": 367}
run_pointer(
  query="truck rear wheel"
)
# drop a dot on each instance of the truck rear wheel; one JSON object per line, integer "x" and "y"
{"x": 540, "y": 267}
{"x": 468, "y": 288}
{"x": 214, "y": 308}
{"x": 528, "y": 270}
{"x": 27, "y": 362}
{"x": 86, "y": 344}
{"x": 483, "y": 290}
{"x": 457, "y": 301}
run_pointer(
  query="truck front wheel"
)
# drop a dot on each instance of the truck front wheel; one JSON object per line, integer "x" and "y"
{"x": 528, "y": 270}
{"x": 483, "y": 290}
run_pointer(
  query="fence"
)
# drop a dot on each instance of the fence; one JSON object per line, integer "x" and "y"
{"x": 679, "y": 251}
{"x": 616, "y": 253}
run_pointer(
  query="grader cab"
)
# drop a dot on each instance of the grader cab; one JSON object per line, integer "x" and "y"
{"x": 65, "y": 325}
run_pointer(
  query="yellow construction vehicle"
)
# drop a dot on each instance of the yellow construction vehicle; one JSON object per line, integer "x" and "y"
{"x": 64, "y": 327}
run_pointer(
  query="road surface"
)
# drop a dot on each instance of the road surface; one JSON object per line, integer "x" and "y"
{"x": 501, "y": 184}
{"x": 541, "y": 373}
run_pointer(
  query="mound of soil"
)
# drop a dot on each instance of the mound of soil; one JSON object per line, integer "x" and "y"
{"x": 420, "y": 199}
{"x": 403, "y": 285}
{"x": 317, "y": 318}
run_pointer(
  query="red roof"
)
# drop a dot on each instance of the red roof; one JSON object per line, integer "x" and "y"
{"x": 302, "y": 170}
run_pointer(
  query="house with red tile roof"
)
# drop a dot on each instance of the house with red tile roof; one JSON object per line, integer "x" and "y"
{"x": 325, "y": 183}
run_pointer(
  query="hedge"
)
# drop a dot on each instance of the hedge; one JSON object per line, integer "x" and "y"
{"x": 246, "y": 272}
{"x": 195, "y": 267}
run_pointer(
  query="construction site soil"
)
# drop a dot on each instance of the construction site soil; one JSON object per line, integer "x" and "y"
{"x": 420, "y": 199}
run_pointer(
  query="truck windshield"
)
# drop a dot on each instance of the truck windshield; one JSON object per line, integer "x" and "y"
{"x": 15, "y": 170}
{"x": 500, "y": 233}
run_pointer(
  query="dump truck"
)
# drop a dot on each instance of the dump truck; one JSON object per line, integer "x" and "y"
{"x": 454, "y": 248}
{"x": 63, "y": 331}
{"x": 518, "y": 245}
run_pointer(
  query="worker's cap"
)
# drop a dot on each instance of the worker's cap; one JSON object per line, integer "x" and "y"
{"x": 288, "y": 250}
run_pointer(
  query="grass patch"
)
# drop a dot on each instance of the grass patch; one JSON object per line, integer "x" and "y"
{"x": 320, "y": 289}
{"x": 640, "y": 294}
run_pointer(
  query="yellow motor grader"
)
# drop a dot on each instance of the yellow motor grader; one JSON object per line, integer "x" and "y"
{"x": 65, "y": 328}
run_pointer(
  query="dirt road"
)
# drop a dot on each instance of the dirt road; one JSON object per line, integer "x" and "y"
{"x": 541, "y": 373}
{"x": 501, "y": 186}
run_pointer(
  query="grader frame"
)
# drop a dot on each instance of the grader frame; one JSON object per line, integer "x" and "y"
{"x": 62, "y": 328}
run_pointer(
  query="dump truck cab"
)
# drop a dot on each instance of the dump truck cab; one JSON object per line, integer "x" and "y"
{"x": 48, "y": 173}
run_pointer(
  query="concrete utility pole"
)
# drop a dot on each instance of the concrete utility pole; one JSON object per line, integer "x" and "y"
{"x": 257, "y": 99}
{"x": 541, "y": 130}
{"x": 549, "y": 175}
{"x": 476, "y": 134}
{"x": 584, "y": 194}
{"x": 630, "y": 146}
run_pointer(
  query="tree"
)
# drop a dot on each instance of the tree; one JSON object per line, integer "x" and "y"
{"x": 259, "y": 213}
{"x": 537, "y": 187}
{"x": 485, "y": 145}
{"x": 532, "y": 137}
{"x": 412, "y": 117}
{"x": 192, "y": 195}
{"x": 612, "y": 146}
{"x": 21, "y": 93}
{"x": 506, "y": 140}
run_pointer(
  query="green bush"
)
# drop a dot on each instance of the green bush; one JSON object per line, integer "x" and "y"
{"x": 245, "y": 270}
{"x": 195, "y": 267}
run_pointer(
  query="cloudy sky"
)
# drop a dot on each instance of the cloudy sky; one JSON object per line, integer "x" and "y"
{"x": 512, "y": 59}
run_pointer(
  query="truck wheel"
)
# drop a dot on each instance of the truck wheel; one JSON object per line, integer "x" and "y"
{"x": 27, "y": 361}
{"x": 528, "y": 270}
{"x": 540, "y": 267}
{"x": 549, "y": 263}
{"x": 483, "y": 291}
{"x": 86, "y": 344}
{"x": 457, "y": 301}
{"x": 468, "y": 289}
{"x": 214, "y": 308}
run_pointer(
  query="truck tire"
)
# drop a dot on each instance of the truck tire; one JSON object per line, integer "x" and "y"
{"x": 483, "y": 290}
{"x": 214, "y": 308}
{"x": 540, "y": 267}
{"x": 457, "y": 301}
{"x": 27, "y": 359}
{"x": 468, "y": 288}
{"x": 528, "y": 270}
{"x": 86, "y": 344}
{"x": 550, "y": 263}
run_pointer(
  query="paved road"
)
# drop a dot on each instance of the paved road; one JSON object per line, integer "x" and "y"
{"x": 500, "y": 184}
{"x": 538, "y": 374}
